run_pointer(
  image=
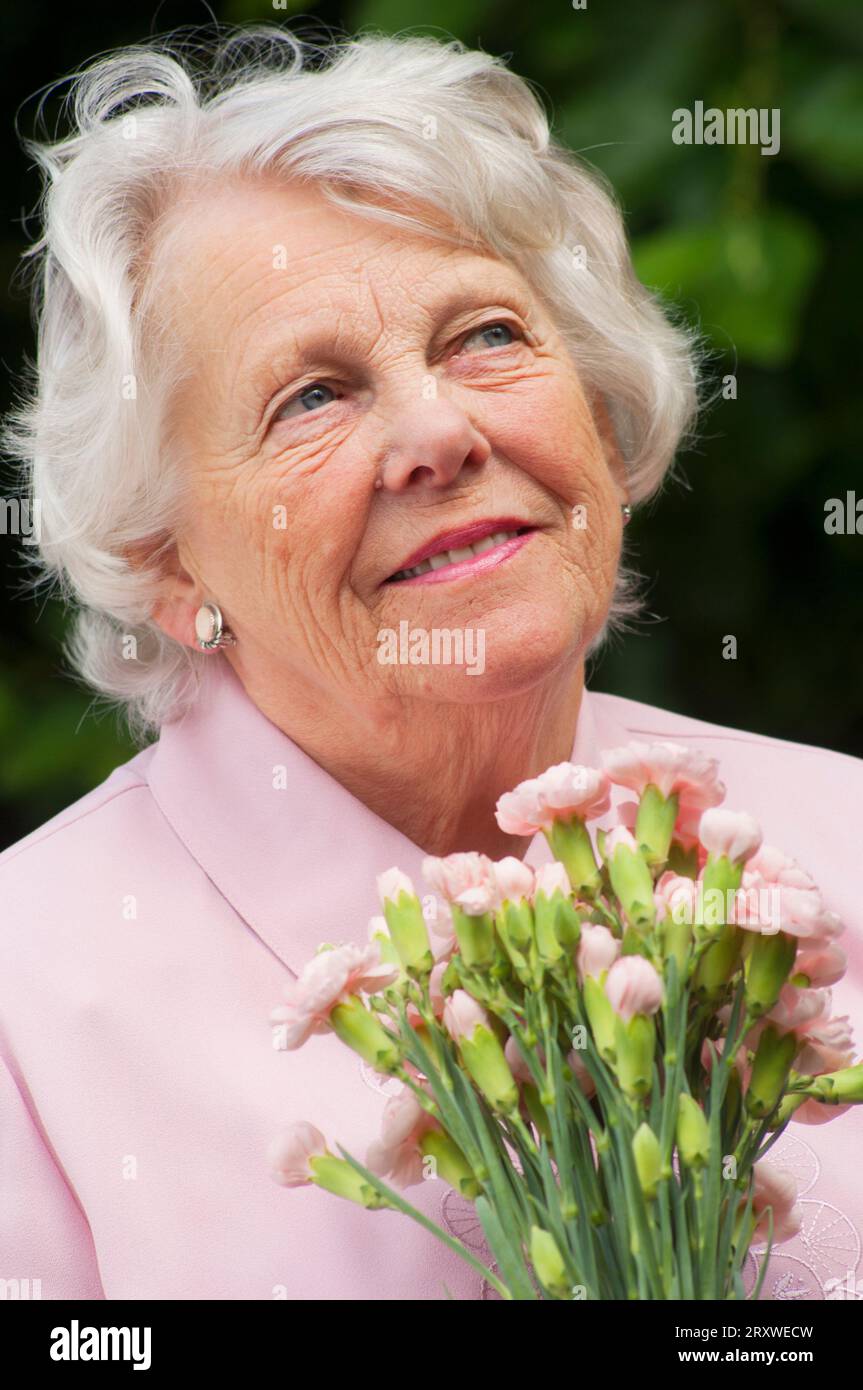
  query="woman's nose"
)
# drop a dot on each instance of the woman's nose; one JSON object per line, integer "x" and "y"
{"x": 431, "y": 442}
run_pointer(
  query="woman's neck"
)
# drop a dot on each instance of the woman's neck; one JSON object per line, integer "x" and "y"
{"x": 435, "y": 772}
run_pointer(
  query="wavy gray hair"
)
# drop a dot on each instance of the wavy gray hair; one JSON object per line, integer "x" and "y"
{"x": 370, "y": 119}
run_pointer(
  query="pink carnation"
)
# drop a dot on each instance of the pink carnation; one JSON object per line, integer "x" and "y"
{"x": 633, "y": 986}
{"x": 773, "y": 866}
{"x": 462, "y": 1014}
{"x": 459, "y": 874}
{"x": 777, "y": 895}
{"x": 829, "y": 1047}
{"x": 288, "y": 1155}
{"x": 550, "y": 879}
{"x": 392, "y": 883}
{"x": 823, "y": 963}
{"x": 795, "y": 1011}
{"x": 395, "y": 1154}
{"x": 441, "y": 930}
{"x": 735, "y": 834}
{"x": 814, "y": 1112}
{"x": 676, "y": 896}
{"x": 597, "y": 950}
{"x": 514, "y": 880}
{"x": 618, "y": 836}
{"x": 670, "y": 767}
{"x": 775, "y": 1189}
{"x": 562, "y": 792}
{"x": 329, "y": 978}
{"x": 769, "y": 908}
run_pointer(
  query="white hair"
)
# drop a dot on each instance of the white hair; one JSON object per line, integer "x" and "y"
{"x": 372, "y": 120}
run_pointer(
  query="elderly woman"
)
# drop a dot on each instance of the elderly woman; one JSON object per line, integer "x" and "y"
{"x": 346, "y": 390}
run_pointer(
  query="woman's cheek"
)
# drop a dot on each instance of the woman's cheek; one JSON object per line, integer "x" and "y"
{"x": 564, "y": 454}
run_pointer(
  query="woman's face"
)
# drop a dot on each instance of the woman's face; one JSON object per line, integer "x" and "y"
{"x": 362, "y": 402}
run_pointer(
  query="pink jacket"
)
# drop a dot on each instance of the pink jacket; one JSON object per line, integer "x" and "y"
{"x": 146, "y": 934}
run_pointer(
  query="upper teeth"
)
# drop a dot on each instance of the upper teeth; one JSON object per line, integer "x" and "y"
{"x": 452, "y": 557}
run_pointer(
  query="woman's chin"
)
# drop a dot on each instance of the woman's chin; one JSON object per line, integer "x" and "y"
{"x": 491, "y": 660}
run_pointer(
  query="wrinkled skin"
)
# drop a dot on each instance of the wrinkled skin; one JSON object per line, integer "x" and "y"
{"x": 421, "y": 420}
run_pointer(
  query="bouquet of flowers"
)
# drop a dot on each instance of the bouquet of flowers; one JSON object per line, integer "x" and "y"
{"x": 597, "y": 1054}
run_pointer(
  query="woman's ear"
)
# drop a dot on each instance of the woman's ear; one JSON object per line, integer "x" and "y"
{"x": 179, "y": 595}
{"x": 175, "y": 616}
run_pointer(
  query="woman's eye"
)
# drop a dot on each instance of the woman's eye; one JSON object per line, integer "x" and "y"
{"x": 309, "y": 399}
{"x": 491, "y": 333}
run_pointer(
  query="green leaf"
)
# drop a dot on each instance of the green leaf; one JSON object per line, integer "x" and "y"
{"x": 745, "y": 279}
{"x": 824, "y": 126}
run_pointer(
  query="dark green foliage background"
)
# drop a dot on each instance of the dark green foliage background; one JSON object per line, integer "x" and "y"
{"x": 762, "y": 252}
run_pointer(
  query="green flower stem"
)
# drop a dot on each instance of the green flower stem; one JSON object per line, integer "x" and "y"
{"x": 674, "y": 1029}
{"x": 452, "y": 1115}
{"x": 690, "y": 1239}
{"x": 399, "y": 1203}
{"x": 556, "y": 1112}
{"x": 684, "y": 1247}
{"x": 623, "y": 1130}
{"x": 719, "y": 1076}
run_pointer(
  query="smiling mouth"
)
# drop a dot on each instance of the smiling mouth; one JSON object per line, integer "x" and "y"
{"x": 468, "y": 555}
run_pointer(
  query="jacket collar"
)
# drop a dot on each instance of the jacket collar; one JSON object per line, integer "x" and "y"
{"x": 294, "y": 853}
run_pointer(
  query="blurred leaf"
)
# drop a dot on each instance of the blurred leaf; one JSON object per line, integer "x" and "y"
{"x": 57, "y": 744}
{"x": 824, "y": 126}
{"x": 458, "y": 17}
{"x": 745, "y": 279}
{"x": 839, "y": 19}
{"x": 620, "y": 114}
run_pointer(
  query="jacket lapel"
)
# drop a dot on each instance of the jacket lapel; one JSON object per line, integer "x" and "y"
{"x": 294, "y": 853}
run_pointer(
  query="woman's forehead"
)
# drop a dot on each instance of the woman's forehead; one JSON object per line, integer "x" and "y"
{"x": 243, "y": 217}
{"x": 254, "y": 251}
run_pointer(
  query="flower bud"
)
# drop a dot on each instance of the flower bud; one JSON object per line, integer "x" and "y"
{"x": 731, "y": 835}
{"x": 571, "y": 844}
{"x": 648, "y": 1160}
{"x": 601, "y": 1017}
{"x": 362, "y": 1031}
{"x": 838, "y": 1087}
{"x": 773, "y": 1058}
{"x": 597, "y": 950}
{"x": 475, "y": 936}
{"x": 654, "y": 824}
{"x": 693, "y": 1134}
{"x": 513, "y": 878}
{"x": 379, "y": 933}
{"x": 635, "y": 1044}
{"x": 484, "y": 1058}
{"x": 548, "y": 947}
{"x": 450, "y": 1163}
{"x": 768, "y": 966}
{"x": 634, "y": 986}
{"x": 719, "y": 962}
{"x": 556, "y": 917}
{"x": 337, "y": 1176}
{"x": 290, "y": 1152}
{"x": 404, "y": 917}
{"x": 548, "y": 1263}
{"x": 630, "y": 877}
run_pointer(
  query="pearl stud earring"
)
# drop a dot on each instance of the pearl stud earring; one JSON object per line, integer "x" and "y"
{"x": 210, "y": 628}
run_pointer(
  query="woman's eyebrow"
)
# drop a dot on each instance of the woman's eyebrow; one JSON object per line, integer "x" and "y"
{"x": 321, "y": 347}
{"x": 500, "y": 293}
